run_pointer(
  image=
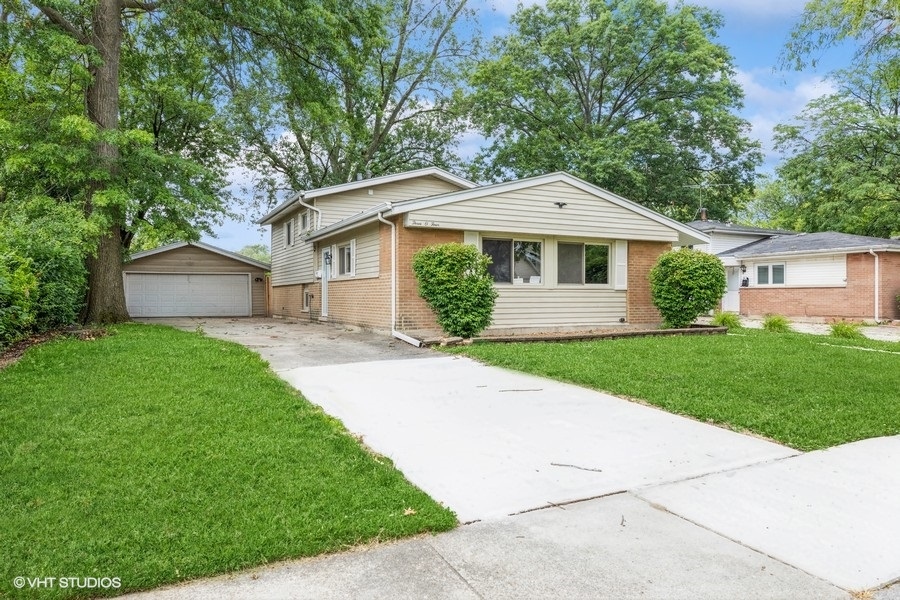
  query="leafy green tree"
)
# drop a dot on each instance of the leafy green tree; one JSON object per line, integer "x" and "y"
{"x": 633, "y": 96}
{"x": 258, "y": 252}
{"x": 106, "y": 107}
{"x": 842, "y": 170}
{"x": 372, "y": 96}
{"x": 685, "y": 284}
{"x": 455, "y": 282}
{"x": 873, "y": 24}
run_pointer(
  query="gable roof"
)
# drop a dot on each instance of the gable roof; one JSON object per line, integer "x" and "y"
{"x": 342, "y": 188}
{"x": 813, "y": 243}
{"x": 733, "y": 228}
{"x": 207, "y": 247}
{"x": 687, "y": 234}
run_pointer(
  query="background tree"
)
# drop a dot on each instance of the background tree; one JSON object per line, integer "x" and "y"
{"x": 842, "y": 170}
{"x": 373, "y": 96}
{"x": 826, "y": 23}
{"x": 258, "y": 252}
{"x": 104, "y": 107}
{"x": 632, "y": 96}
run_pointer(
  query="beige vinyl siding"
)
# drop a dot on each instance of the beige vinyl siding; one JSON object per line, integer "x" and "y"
{"x": 809, "y": 271}
{"x": 190, "y": 259}
{"x": 297, "y": 264}
{"x": 292, "y": 264}
{"x": 368, "y": 245}
{"x": 532, "y": 211}
{"x": 336, "y": 207}
{"x": 526, "y": 306}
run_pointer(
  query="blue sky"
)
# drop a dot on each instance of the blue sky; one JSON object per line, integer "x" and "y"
{"x": 754, "y": 32}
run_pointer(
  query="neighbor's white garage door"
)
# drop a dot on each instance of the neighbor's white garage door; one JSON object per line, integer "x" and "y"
{"x": 187, "y": 295}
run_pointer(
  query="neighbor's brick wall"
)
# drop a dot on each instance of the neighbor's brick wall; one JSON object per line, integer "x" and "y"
{"x": 855, "y": 301}
{"x": 412, "y": 312}
{"x": 642, "y": 257}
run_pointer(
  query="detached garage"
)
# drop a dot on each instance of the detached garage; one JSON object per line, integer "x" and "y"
{"x": 194, "y": 280}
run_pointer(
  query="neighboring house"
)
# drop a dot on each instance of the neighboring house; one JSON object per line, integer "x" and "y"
{"x": 194, "y": 280}
{"x": 728, "y": 236}
{"x": 815, "y": 275}
{"x": 566, "y": 254}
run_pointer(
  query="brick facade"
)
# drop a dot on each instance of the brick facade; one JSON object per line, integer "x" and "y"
{"x": 855, "y": 301}
{"x": 365, "y": 301}
{"x": 642, "y": 256}
{"x": 412, "y": 312}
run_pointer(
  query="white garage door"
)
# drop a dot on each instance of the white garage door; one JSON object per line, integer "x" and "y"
{"x": 187, "y": 295}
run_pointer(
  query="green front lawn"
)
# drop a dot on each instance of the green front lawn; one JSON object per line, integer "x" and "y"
{"x": 806, "y": 391}
{"x": 155, "y": 455}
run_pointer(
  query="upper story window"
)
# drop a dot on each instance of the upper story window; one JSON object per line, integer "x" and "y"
{"x": 289, "y": 232}
{"x": 304, "y": 221}
{"x": 582, "y": 263}
{"x": 513, "y": 261}
{"x": 770, "y": 274}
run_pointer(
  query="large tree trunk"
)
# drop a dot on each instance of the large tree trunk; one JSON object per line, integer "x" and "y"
{"x": 106, "y": 290}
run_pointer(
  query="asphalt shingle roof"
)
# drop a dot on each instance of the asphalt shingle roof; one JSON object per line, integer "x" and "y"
{"x": 811, "y": 242}
{"x": 721, "y": 227}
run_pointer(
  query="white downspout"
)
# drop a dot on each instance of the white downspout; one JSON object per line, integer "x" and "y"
{"x": 394, "y": 332}
{"x": 877, "y": 281}
{"x": 300, "y": 201}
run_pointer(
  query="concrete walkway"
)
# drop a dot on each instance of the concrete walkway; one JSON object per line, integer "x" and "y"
{"x": 670, "y": 507}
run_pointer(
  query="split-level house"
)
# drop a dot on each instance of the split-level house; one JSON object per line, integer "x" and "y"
{"x": 565, "y": 254}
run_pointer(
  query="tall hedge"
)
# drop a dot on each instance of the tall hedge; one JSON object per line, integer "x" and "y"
{"x": 42, "y": 272}
{"x": 685, "y": 284}
{"x": 454, "y": 281}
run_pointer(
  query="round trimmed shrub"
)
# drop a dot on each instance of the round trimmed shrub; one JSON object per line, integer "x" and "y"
{"x": 685, "y": 284}
{"x": 454, "y": 281}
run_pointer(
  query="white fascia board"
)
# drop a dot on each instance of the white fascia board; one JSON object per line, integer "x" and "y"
{"x": 366, "y": 183}
{"x": 159, "y": 250}
{"x": 801, "y": 253}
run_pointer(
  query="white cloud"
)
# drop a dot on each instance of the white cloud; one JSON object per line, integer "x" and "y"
{"x": 769, "y": 100}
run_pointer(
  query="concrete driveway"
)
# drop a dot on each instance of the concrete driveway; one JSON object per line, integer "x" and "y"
{"x": 668, "y": 506}
{"x": 291, "y": 343}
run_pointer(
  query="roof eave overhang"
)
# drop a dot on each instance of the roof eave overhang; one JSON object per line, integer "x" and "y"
{"x": 274, "y": 215}
{"x": 850, "y": 250}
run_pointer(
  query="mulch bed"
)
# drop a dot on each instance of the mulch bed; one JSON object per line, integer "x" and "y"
{"x": 14, "y": 352}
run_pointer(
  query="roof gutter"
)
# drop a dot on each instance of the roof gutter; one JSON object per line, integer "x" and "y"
{"x": 850, "y": 250}
{"x": 372, "y": 214}
{"x": 394, "y": 332}
{"x": 877, "y": 281}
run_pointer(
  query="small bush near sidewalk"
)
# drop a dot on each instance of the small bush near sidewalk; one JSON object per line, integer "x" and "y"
{"x": 805, "y": 391}
{"x": 154, "y": 455}
{"x": 849, "y": 331}
{"x": 776, "y": 324}
{"x": 726, "y": 319}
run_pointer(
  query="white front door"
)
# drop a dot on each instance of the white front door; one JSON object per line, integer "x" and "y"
{"x": 731, "y": 301}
